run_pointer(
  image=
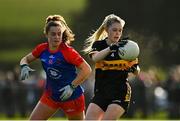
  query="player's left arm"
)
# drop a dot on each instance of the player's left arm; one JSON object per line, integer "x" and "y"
{"x": 84, "y": 68}
{"x": 84, "y": 72}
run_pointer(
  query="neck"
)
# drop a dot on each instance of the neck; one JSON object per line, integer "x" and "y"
{"x": 53, "y": 47}
{"x": 109, "y": 42}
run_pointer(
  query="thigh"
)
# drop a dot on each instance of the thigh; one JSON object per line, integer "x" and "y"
{"x": 74, "y": 109}
{"x": 113, "y": 112}
{"x": 94, "y": 112}
{"x": 42, "y": 112}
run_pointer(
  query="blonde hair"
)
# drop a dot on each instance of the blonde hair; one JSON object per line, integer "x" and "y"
{"x": 57, "y": 20}
{"x": 100, "y": 33}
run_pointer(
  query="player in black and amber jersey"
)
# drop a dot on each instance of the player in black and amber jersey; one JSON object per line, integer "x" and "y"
{"x": 112, "y": 91}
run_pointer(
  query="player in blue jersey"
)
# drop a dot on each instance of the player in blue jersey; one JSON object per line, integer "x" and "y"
{"x": 112, "y": 91}
{"x": 59, "y": 61}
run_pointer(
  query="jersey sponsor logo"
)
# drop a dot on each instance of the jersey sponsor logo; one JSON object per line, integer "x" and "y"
{"x": 54, "y": 73}
{"x": 115, "y": 64}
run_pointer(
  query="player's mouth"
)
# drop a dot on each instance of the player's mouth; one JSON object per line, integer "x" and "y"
{"x": 116, "y": 38}
{"x": 56, "y": 41}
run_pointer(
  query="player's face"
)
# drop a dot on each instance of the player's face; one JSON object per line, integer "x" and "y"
{"x": 114, "y": 32}
{"x": 55, "y": 35}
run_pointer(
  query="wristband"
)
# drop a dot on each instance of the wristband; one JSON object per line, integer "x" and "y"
{"x": 73, "y": 86}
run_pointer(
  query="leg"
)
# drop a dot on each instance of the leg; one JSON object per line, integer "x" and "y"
{"x": 74, "y": 109}
{"x": 113, "y": 112}
{"x": 42, "y": 112}
{"x": 78, "y": 116}
{"x": 94, "y": 112}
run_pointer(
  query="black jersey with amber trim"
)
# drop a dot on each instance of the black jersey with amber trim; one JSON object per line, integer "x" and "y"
{"x": 111, "y": 72}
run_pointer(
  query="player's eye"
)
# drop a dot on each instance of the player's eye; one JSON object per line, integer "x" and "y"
{"x": 59, "y": 33}
{"x": 53, "y": 34}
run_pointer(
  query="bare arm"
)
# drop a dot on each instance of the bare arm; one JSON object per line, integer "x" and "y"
{"x": 99, "y": 55}
{"x": 27, "y": 59}
{"x": 83, "y": 74}
{"x": 25, "y": 69}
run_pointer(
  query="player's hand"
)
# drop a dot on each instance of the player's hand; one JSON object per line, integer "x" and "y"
{"x": 114, "y": 47}
{"x": 67, "y": 92}
{"x": 122, "y": 43}
{"x": 25, "y": 70}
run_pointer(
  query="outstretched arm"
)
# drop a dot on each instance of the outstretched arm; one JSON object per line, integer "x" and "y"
{"x": 25, "y": 69}
{"x": 27, "y": 59}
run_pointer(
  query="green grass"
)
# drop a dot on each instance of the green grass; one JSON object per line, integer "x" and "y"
{"x": 13, "y": 55}
{"x": 17, "y": 117}
{"x": 23, "y": 20}
{"x": 27, "y": 14}
{"x": 161, "y": 115}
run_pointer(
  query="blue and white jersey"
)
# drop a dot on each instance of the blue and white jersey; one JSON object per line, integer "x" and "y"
{"x": 60, "y": 67}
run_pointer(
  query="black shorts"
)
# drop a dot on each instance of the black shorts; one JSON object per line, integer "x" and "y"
{"x": 122, "y": 100}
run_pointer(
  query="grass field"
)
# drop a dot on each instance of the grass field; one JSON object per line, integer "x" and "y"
{"x": 22, "y": 23}
{"x": 27, "y": 14}
{"x": 157, "y": 116}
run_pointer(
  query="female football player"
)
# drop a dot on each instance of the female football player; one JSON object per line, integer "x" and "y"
{"x": 59, "y": 60}
{"x": 112, "y": 91}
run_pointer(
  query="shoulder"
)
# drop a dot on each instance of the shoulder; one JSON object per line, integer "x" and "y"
{"x": 42, "y": 45}
{"x": 67, "y": 48}
{"x": 39, "y": 49}
{"x": 100, "y": 42}
{"x": 99, "y": 45}
{"x": 71, "y": 55}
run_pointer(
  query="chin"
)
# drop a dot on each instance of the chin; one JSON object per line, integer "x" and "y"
{"x": 56, "y": 43}
{"x": 115, "y": 40}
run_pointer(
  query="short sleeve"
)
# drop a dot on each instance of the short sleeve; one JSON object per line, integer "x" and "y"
{"x": 36, "y": 52}
{"x": 95, "y": 47}
{"x": 73, "y": 57}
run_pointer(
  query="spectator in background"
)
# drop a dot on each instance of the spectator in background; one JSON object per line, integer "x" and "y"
{"x": 172, "y": 86}
{"x": 139, "y": 98}
{"x": 8, "y": 95}
{"x": 59, "y": 61}
{"x": 20, "y": 93}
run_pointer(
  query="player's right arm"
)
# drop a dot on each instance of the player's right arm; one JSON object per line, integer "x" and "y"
{"x": 24, "y": 64}
{"x": 27, "y": 59}
{"x": 101, "y": 54}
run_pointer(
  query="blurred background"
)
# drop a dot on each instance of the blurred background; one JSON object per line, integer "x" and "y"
{"x": 153, "y": 24}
